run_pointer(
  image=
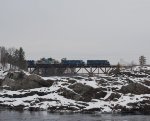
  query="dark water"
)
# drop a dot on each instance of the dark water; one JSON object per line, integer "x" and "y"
{"x": 45, "y": 116}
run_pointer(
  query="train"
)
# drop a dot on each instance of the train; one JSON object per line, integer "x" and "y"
{"x": 30, "y": 63}
{"x": 98, "y": 63}
{"x": 73, "y": 62}
{"x": 65, "y": 62}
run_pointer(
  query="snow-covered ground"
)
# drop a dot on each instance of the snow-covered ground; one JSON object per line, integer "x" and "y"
{"x": 2, "y": 74}
{"x": 67, "y": 94}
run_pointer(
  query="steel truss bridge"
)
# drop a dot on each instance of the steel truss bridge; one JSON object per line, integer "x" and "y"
{"x": 77, "y": 69}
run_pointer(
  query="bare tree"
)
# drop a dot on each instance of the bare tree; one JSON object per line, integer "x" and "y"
{"x": 11, "y": 53}
{"x": 4, "y": 55}
{"x": 12, "y": 56}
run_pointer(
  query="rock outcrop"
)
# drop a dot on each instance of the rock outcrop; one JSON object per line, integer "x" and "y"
{"x": 19, "y": 80}
{"x": 121, "y": 93}
{"x": 135, "y": 88}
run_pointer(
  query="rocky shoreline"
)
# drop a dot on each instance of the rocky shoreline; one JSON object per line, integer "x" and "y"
{"x": 127, "y": 92}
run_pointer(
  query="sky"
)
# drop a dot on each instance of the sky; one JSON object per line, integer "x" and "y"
{"x": 116, "y": 30}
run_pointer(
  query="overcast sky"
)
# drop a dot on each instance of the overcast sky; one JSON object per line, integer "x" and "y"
{"x": 77, "y": 29}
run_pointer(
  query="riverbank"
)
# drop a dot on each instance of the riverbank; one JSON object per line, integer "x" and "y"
{"x": 128, "y": 92}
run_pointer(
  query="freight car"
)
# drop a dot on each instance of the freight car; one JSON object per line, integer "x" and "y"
{"x": 98, "y": 63}
{"x": 73, "y": 62}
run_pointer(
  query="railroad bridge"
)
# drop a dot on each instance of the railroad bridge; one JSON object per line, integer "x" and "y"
{"x": 75, "y": 69}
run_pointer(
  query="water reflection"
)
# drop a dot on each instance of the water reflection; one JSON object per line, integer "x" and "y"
{"x": 7, "y": 115}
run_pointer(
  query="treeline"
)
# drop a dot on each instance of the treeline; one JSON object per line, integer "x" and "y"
{"x": 13, "y": 57}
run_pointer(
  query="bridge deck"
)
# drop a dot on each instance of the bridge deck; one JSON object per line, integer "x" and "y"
{"x": 75, "y": 66}
{"x": 68, "y": 66}
{"x": 90, "y": 69}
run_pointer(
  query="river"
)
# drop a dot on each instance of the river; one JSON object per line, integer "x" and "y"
{"x": 7, "y": 115}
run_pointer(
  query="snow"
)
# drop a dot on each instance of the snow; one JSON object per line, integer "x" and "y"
{"x": 108, "y": 94}
{"x": 3, "y": 74}
{"x": 51, "y": 78}
{"x": 89, "y": 83}
{"x": 27, "y": 73}
{"x": 53, "y": 98}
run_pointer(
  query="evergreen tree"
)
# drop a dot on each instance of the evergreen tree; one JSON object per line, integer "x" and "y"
{"x": 16, "y": 58}
{"x": 142, "y": 60}
{"x": 21, "y": 58}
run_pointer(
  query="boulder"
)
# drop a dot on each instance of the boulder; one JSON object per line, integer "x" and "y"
{"x": 146, "y": 82}
{"x": 19, "y": 80}
{"x": 113, "y": 97}
{"x": 142, "y": 107}
{"x": 68, "y": 94}
{"x": 101, "y": 81}
{"x": 100, "y": 94}
{"x": 69, "y": 108}
{"x": 87, "y": 93}
{"x": 80, "y": 88}
{"x": 135, "y": 88}
{"x": 71, "y": 81}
